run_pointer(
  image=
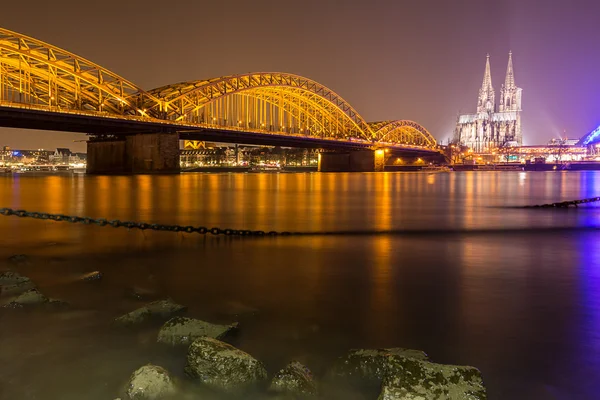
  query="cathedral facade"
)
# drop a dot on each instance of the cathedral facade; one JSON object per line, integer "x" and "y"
{"x": 493, "y": 126}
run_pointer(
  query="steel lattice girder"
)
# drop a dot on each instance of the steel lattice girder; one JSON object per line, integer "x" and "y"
{"x": 57, "y": 78}
{"x": 182, "y": 98}
{"x": 391, "y": 131}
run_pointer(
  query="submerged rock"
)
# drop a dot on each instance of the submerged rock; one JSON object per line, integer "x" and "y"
{"x": 371, "y": 365}
{"x": 237, "y": 309}
{"x": 411, "y": 378}
{"x": 161, "y": 309}
{"x": 142, "y": 293}
{"x": 295, "y": 380}
{"x": 150, "y": 382}
{"x": 182, "y": 330}
{"x": 92, "y": 276}
{"x": 12, "y": 278}
{"x": 19, "y": 259}
{"x": 222, "y": 366}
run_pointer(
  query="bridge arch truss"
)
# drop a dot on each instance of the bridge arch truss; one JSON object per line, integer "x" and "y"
{"x": 403, "y": 132}
{"x": 264, "y": 101}
{"x": 37, "y": 74}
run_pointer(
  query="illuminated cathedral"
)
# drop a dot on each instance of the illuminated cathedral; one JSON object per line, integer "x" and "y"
{"x": 493, "y": 126}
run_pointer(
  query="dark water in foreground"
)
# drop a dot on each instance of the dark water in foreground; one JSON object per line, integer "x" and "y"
{"x": 476, "y": 282}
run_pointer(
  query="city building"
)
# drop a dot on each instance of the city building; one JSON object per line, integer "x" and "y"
{"x": 493, "y": 126}
{"x": 63, "y": 156}
{"x": 217, "y": 156}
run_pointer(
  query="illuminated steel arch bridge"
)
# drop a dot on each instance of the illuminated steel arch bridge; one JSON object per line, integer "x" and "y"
{"x": 45, "y": 87}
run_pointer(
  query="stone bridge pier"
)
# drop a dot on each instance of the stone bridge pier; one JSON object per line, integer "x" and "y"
{"x": 142, "y": 153}
{"x": 352, "y": 161}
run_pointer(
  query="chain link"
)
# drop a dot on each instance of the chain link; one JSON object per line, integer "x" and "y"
{"x": 566, "y": 204}
{"x": 115, "y": 223}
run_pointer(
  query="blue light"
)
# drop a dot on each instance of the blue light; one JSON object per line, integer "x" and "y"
{"x": 592, "y": 136}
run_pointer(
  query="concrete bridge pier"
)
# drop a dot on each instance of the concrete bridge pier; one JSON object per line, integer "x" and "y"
{"x": 353, "y": 161}
{"x": 143, "y": 153}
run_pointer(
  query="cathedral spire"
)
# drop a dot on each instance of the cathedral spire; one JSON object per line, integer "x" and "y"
{"x": 486, "y": 102}
{"x": 487, "y": 77}
{"x": 510, "y": 75}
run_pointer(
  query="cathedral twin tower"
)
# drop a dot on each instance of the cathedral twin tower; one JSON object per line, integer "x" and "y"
{"x": 492, "y": 126}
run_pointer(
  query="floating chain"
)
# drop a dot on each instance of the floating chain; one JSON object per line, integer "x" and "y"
{"x": 115, "y": 223}
{"x": 566, "y": 204}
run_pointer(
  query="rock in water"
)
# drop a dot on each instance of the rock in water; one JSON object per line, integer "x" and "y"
{"x": 19, "y": 259}
{"x": 294, "y": 380}
{"x": 91, "y": 276}
{"x": 182, "y": 330}
{"x": 150, "y": 382}
{"x": 16, "y": 289}
{"x": 371, "y": 365}
{"x": 29, "y": 298}
{"x": 222, "y": 366}
{"x": 161, "y": 309}
{"x": 12, "y": 278}
{"x": 410, "y": 378}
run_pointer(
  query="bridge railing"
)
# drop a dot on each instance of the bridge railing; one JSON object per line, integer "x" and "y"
{"x": 182, "y": 126}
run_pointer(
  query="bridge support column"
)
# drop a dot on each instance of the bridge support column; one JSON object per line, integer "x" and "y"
{"x": 144, "y": 153}
{"x": 354, "y": 161}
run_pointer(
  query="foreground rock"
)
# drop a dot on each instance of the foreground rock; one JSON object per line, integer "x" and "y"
{"x": 16, "y": 289}
{"x": 12, "y": 278}
{"x": 34, "y": 297}
{"x": 161, "y": 309}
{"x": 222, "y": 366}
{"x": 28, "y": 298}
{"x": 150, "y": 382}
{"x": 410, "y": 378}
{"x": 371, "y": 365}
{"x": 295, "y": 380}
{"x": 182, "y": 330}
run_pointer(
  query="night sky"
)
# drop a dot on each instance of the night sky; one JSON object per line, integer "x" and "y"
{"x": 420, "y": 60}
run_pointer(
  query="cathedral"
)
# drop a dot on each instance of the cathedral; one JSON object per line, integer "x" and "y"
{"x": 493, "y": 126}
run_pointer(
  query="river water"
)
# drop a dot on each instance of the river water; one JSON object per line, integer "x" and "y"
{"x": 465, "y": 275}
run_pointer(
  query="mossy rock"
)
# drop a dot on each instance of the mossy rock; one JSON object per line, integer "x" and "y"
{"x": 370, "y": 365}
{"x": 294, "y": 380}
{"x": 16, "y": 288}
{"x": 410, "y": 378}
{"x": 12, "y": 278}
{"x": 161, "y": 309}
{"x": 30, "y": 297}
{"x": 224, "y": 367}
{"x": 150, "y": 382}
{"x": 182, "y": 330}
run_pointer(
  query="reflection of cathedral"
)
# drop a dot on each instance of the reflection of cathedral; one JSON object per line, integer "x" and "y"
{"x": 491, "y": 127}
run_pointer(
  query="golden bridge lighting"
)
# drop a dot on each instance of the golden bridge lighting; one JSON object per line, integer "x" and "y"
{"x": 286, "y": 104}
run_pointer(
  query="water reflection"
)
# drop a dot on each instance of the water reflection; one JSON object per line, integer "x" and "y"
{"x": 522, "y": 306}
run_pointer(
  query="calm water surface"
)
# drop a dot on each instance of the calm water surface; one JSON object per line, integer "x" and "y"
{"x": 467, "y": 276}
